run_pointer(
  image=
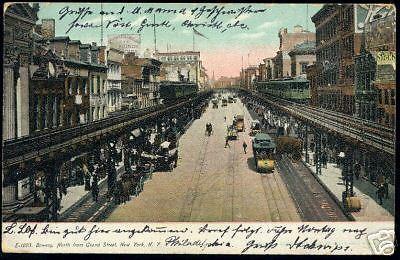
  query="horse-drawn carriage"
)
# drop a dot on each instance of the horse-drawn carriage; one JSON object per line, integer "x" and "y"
{"x": 165, "y": 158}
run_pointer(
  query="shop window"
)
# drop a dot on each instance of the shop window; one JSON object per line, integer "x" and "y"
{"x": 393, "y": 97}
{"x": 386, "y": 97}
{"x": 92, "y": 85}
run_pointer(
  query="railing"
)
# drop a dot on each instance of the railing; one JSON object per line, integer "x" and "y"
{"x": 364, "y": 131}
{"x": 28, "y": 147}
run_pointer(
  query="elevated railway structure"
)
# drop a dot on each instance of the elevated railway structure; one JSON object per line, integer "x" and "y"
{"x": 39, "y": 162}
{"x": 356, "y": 130}
{"x": 350, "y": 142}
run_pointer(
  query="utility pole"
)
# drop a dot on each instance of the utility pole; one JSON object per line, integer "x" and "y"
{"x": 193, "y": 40}
{"x": 155, "y": 36}
{"x": 101, "y": 29}
{"x": 307, "y": 22}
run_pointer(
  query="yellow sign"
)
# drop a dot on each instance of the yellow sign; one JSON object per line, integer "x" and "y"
{"x": 386, "y": 58}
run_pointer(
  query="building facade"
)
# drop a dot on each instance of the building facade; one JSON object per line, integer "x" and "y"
{"x": 312, "y": 73}
{"x": 301, "y": 56}
{"x": 287, "y": 41}
{"x": 375, "y": 70}
{"x": 249, "y": 76}
{"x": 262, "y": 72}
{"x": 140, "y": 78}
{"x": 338, "y": 41}
{"x": 269, "y": 68}
{"x": 128, "y": 43}
{"x": 19, "y": 21}
{"x": 186, "y": 63}
{"x": 114, "y": 89}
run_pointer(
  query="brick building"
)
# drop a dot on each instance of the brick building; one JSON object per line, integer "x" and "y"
{"x": 312, "y": 73}
{"x": 338, "y": 41}
{"x": 140, "y": 77}
{"x": 288, "y": 40}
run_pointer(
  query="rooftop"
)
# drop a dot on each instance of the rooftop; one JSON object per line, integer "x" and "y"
{"x": 307, "y": 47}
{"x": 179, "y": 53}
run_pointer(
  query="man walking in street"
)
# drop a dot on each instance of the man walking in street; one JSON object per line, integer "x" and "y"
{"x": 227, "y": 142}
{"x": 244, "y": 146}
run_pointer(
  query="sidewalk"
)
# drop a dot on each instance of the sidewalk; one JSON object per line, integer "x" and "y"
{"x": 77, "y": 193}
{"x": 363, "y": 189}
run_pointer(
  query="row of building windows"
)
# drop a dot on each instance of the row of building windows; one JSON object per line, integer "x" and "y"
{"x": 175, "y": 58}
{"x": 348, "y": 18}
{"x": 327, "y": 31}
{"x": 100, "y": 85}
{"x": 77, "y": 86}
{"x": 348, "y": 46}
{"x": 386, "y": 95}
{"x": 98, "y": 112}
{"x": 114, "y": 68}
{"x": 364, "y": 80}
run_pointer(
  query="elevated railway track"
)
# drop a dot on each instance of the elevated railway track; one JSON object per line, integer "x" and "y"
{"x": 355, "y": 129}
{"x": 27, "y": 148}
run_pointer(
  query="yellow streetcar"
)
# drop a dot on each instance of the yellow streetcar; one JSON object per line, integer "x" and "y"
{"x": 264, "y": 150}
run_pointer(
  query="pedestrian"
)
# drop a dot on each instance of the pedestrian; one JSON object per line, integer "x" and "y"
{"x": 244, "y": 146}
{"x": 227, "y": 142}
{"x": 225, "y": 118}
{"x": 380, "y": 192}
{"x": 325, "y": 159}
{"x": 95, "y": 189}
{"x": 357, "y": 170}
{"x": 386, "y": 188}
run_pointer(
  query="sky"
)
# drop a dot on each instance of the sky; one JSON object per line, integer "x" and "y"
{"x": 221, "y": 52}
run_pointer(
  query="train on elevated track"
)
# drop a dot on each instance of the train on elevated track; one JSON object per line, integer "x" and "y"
{"x": 171, "y": 91}
{"x": 294, "y": 89}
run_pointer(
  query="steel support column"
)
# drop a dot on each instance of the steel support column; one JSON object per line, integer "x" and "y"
{"x": 306, "y": 143}
{"x": 317, "y": 140}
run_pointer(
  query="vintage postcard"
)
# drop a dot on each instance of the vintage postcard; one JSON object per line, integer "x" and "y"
{"x": 199, "y": 128}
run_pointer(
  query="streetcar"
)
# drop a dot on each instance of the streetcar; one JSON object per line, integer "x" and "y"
{"x": 264, "y": 149}
{"x": 255, "y": 127}
{"x": 239, "y": 123}
{"x": 232, "y": 132}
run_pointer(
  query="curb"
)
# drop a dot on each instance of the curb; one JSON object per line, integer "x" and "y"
{"x": 333, "y": 196}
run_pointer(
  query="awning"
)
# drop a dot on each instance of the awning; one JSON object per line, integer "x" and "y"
{"x": 165, "y": 144}
{"x": 136, "y": 132}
